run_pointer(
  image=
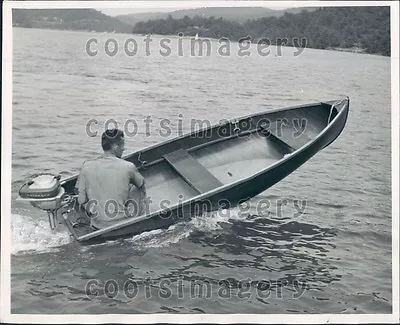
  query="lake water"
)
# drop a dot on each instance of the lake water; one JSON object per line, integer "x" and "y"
{"x": 334, "y": 258}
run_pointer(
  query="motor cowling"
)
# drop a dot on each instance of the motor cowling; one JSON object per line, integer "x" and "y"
{"x": 44, "y": 192}
{"x": 41, "y": 187}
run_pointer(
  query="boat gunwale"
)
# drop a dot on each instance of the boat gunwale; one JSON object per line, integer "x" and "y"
{"x": 201, "y": 196}
{"x": 153, "y": 146}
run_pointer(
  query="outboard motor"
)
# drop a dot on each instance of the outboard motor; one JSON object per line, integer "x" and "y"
{"x": 44, "y": 192}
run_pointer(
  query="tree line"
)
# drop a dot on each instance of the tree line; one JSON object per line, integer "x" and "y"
{"x": 73, "y": 19}
{"x": 363, "y": 28}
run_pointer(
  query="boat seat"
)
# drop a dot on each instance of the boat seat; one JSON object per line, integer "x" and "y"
{"x": 284, "y": 146}
{"x": 279, "y": 141}
{"x": 194, "y": 173}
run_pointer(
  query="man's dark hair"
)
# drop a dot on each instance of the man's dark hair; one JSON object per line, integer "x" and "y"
{"x": 110, "y": 137}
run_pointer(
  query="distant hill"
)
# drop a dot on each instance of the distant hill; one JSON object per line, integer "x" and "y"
{"x": 239, "y": 15}
{"x": 361, "y": 29}
{"x": 132, "y": 19}
{"x": 357, "y": 29}
{"x": 71, "y": 19}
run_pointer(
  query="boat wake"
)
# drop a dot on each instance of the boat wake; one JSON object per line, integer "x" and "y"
{"x": 208, "y": 223}
{"x": 33, "y": 235}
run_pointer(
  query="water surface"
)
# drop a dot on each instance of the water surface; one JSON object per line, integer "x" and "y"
{"x": 333, "y": 258}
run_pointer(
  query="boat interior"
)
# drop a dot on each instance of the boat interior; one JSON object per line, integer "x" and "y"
{"x": 261, "y": 141}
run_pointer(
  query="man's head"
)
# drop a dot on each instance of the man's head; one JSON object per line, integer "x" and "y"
{"x": 113, "y": 141}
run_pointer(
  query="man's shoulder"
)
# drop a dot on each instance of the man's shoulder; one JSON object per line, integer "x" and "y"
{"x": 89, "y": 162}
{"x": 117, "y": 162}
{"x": 128, "y": 164}
{"x": 123, "y": 163}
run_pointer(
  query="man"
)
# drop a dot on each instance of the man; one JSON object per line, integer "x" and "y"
{"x": 110, "y": 188}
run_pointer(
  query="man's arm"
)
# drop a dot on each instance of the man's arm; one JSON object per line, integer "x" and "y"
{"x": 81, "y": 187}
{"x": 136, "y": 178}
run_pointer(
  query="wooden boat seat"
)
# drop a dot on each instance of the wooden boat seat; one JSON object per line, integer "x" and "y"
{"x": 194, "y": 173}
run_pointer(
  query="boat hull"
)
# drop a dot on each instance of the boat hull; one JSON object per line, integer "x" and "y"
{"x": 238, "y": 180}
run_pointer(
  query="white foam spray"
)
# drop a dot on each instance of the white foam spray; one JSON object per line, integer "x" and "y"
{"x": 33, "y": 234}
{"x": 209, "y": 222}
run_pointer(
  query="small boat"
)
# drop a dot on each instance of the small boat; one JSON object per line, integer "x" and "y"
{"x": 212, "y": 168}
